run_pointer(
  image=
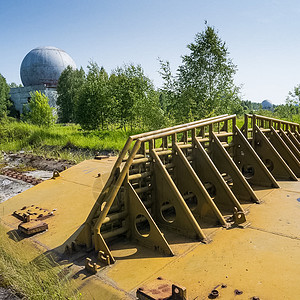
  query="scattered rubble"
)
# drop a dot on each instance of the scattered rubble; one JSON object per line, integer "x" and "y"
{"x": 20, "y": 171}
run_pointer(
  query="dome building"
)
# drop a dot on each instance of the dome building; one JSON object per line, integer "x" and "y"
{"x": 267, "y": 104}
{"x": 40, "y": 71}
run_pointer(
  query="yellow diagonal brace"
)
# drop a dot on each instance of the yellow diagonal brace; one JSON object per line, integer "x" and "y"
{"x": 188, "y": 177}
{"x": 154, "y": 240}
{"x": 166, "y": 191}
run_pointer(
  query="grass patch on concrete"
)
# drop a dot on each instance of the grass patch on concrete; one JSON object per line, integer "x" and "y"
{"x": 27, "y": 277}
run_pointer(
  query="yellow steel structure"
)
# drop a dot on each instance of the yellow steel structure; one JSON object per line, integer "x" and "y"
{"x": 164, "y": 208}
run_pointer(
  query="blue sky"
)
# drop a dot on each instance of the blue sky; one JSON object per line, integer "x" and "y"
{"x": 263, "y": 37}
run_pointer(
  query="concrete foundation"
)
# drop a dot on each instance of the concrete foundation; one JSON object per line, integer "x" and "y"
{"x": 21, "y": 95}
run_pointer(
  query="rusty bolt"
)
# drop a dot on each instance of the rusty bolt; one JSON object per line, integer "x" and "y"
{"x": 238, "y": 292}
{"x": 213, "y": 294}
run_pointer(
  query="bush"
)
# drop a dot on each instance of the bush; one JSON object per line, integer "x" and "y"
{"x": 39, "y": 111}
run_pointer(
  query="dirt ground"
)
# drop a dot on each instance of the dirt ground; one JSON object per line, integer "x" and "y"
{"x": 32, "y": 166}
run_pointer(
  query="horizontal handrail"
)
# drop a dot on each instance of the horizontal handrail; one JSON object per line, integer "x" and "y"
{"x": 259, "y": 117}
{"x": 187, "y": 127}
{"x": 141, "y": 135}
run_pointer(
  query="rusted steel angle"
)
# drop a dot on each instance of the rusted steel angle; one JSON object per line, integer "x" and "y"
{"x": 181, "y": 126}
{"x": 271, "y": 158}
{"x": 249, "y": 162}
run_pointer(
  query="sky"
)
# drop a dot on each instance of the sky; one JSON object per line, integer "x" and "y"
{"x": 263, "y": 37}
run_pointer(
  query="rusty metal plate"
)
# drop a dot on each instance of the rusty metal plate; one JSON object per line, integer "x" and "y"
{"x": 33, "y": 227}
{"x": 32, "y": 213}
{"x": 161, "y": 289}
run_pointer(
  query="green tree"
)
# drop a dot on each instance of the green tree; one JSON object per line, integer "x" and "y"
{"x": 286, "y": 111}
{"x": 69, "y": 83}
{"x": 294, "y": 96}
{"x": 14, "y": 85}
{"x": 204, "y": 82}
{"x": 4, "y": 96}
{"x": 93, "y": 107}
{"x": 136, "y": 103}
{"x": 39, "y": 111}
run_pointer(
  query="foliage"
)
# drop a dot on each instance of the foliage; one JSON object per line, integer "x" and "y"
{"x": 250, "y": 107}
{"x": 93, "y": 107}
{"x": 39, "y": 111}
{"x": 60, "y": 141}
{"x": 125, "y": 98}
{"x": 294, "y": 96}
{"x": 203, "y": 85}
{"x": 14, "y": 85}
{"x": 135, "y": 100}
{"x": 4, "y": 96}
{"x": 70, "y": 81}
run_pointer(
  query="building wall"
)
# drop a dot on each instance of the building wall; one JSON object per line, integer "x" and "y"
{"x": 20, "y": 95}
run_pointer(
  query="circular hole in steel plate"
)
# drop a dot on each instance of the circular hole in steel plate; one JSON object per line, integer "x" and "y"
{"x": 168, "y": 212}
{"x": 142, "y": 225}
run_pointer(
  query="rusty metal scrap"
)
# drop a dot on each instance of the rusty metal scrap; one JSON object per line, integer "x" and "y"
{"x": 33, "y": 227}
{"x": 33, "y": 213}
{"x": 161, "y": 289}
{"x": 21, "y": 176}
{"x": 32, "y": 219}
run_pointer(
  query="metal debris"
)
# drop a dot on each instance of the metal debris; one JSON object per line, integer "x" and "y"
{"x": 213, "y": 294}
{"x": 161, "y": 289}
{"x": 238, "y": 292}
{"x": 21, "y": 176}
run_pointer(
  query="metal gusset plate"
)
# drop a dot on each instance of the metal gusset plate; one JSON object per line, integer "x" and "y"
{"x": 226, "y": 165}
{"x": 250, "y": 164}
{"x": 271, "y": 158}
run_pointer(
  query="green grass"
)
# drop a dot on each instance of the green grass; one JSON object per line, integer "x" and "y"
{"x": 31, "y": 278}
{"x": 65, "y": 142}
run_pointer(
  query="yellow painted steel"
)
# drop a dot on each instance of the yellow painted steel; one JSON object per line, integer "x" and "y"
{"x": 262, "y": 259}
{"x": 72, "y": 194}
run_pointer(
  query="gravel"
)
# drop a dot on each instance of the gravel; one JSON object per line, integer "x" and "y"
{"x": 10, "y": 187}
{"x": 7, "y": 294}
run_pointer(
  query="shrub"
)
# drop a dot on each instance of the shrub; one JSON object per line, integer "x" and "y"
{"x": 39, "y": 111}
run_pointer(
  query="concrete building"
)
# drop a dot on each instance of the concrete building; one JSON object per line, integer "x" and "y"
{"x": 40, "y": 71}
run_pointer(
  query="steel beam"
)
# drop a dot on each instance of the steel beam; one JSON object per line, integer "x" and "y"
{"x": 222, "y": 160}
{"x": 249, "y": 162}
{"x": 152, "y": 238}
{"x": 284, "y": 151}
{"x": 271, "y": 158}
{"x": 208, "y": 173}
{"x": 166, "y": 192}
{"x": 188, "y": 181}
